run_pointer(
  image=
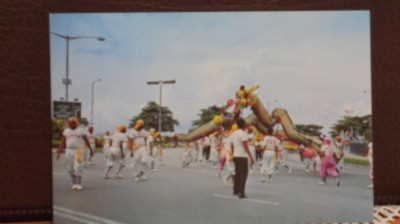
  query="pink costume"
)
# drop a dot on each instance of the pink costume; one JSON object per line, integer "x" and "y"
{"x": 328, "y": 163}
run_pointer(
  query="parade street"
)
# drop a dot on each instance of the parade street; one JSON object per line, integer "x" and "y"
{"x": 195, "y": 194}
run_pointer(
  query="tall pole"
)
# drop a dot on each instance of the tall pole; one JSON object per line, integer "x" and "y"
{"x": 91, "y": 111}
{"x": 159, "y": 120}
{"x": 67, "y": 81}
{"x": 160, "y": 82}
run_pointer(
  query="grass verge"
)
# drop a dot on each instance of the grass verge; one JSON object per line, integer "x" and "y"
{"x": 360, "y": 162}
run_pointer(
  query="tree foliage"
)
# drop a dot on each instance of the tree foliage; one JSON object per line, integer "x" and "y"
{"x": 309, "y": 129}
{"x": 57, "y": 128}
{"x": 208, "y": 114}
{"x": 361, "y": 126}
{"x": 150, "y": 115}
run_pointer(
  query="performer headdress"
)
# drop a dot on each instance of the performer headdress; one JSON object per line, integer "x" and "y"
{"x": 139, "y": 124}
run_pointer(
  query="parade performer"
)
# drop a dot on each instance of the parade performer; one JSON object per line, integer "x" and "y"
{"x": 328, "y": 162}
{"x": 223, "y": 153}
{"x": 310, "y": 157}
{"x": 259, "y": 148}
{"x": 369, "y": 150}
{"x": 282, "y": 155}
{"x": 92, "y": 141}
{"x": 71, "y": 141}
{"x": 270, "y": 146}
{"x": 215, "y": 148}
{"x": 339, "y": 144}
{"x": 241, "y": 154}
{"x": 206, "y": 147}
{"x": 187, "y": 155}
{"x": 252, "y": 148}
{"x": 158, "y": 151}
{"x": 117, "y": 152}
{"x": 138, "y": 150}
{"x": 107, "y": 139}
{"x": 151, "y": 147}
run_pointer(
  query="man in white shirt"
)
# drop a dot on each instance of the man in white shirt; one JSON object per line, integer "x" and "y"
{"x": 270, "y": 146}
{"x": 138, "y": 150}
{"x": 116, "y": 154}
{"x": 72, "y": 143}
{"x": 241, "y": 153}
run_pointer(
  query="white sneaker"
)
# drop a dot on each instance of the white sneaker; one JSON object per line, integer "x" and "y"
{"x": 78, "y": 187}
{"x": 154, "y": 170}
{"x": 144, "y": 177}
{"x": 137, "y": 179}
{"x": 118, "y": 176}
{"x": 251, "y": 171}
{"x": 73, "y": 187}
{"x": 322, "y": 183}
{"x": 370, "y": 186}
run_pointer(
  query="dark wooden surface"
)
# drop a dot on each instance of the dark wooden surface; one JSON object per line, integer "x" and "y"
{"x": 25, "y": 126}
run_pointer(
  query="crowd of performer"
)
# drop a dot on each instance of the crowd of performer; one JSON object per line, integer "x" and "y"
{"x": 236, "y": 153}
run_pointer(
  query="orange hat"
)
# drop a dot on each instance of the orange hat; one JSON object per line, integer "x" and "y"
{"x": 139, "y": 124}
{"x": 121, "y": 128}
{"x": 73, "y": 119}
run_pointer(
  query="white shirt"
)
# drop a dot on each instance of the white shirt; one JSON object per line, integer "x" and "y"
{"x": 107, "y": 140}
{"x": 138, "y": 137}
{"x": 74, "y": 138}
{"x": 207, "y": 141}
{"x": 119, "y": 137}
{"x": 327, "y": 150}
{"x": 150, "y": 139}
{"x": 91, "y": 138}
{"x": 237, "y": 138}
{"x": 270, "y": 142}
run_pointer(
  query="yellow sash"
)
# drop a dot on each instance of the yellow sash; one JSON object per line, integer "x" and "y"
{"x": 79, "y": 155}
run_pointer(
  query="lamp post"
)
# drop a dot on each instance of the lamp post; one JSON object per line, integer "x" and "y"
{"x": 91, "y": 111}
{"x": 160, "y": 82}
{"x": 67, "y": 81}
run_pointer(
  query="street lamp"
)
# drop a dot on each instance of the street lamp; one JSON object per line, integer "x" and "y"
{"x": 91, "y": 111}
{"x": 67, "y": 81}
{"x": 160, "y": 83}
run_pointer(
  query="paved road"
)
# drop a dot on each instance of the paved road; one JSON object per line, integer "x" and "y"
{"x": 194, "y": 194}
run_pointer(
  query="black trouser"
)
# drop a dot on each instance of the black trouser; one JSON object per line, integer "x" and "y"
{"x": 241, "y": 170}
{"x": 206, "y": 152}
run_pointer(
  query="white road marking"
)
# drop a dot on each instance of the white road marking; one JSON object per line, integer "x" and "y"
{"x": 81, "y": 217}
{"x": 247, "y": 199}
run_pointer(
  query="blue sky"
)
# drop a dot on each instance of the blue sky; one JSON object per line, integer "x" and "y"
{"x": 316, "y": 64}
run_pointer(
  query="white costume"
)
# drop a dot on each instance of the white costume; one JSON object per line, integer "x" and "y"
{"x": 215, "y": 143}
{"x": 188, "y": 154}
{"x": 74, "y": 148}
{"x": 151, "y": 150}
{"x": 92, "y": 142}
{"x": 252, "y": 150}
{"x": 107, "y": 145}
{"x": 269, "y": 144}
{"x": 115, "y": 150}
{"x": 140, "y": 156}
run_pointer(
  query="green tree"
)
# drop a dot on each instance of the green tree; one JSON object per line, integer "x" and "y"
{"x": 359, "y": 125}
{"x": 150, "y": 115}
{"x": 57, "y": 128}
{"x": 208, "y": 114}
{"x": 309, "y": 129}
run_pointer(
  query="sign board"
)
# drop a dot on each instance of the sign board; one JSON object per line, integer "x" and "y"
{"x": 62, "y": 109}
